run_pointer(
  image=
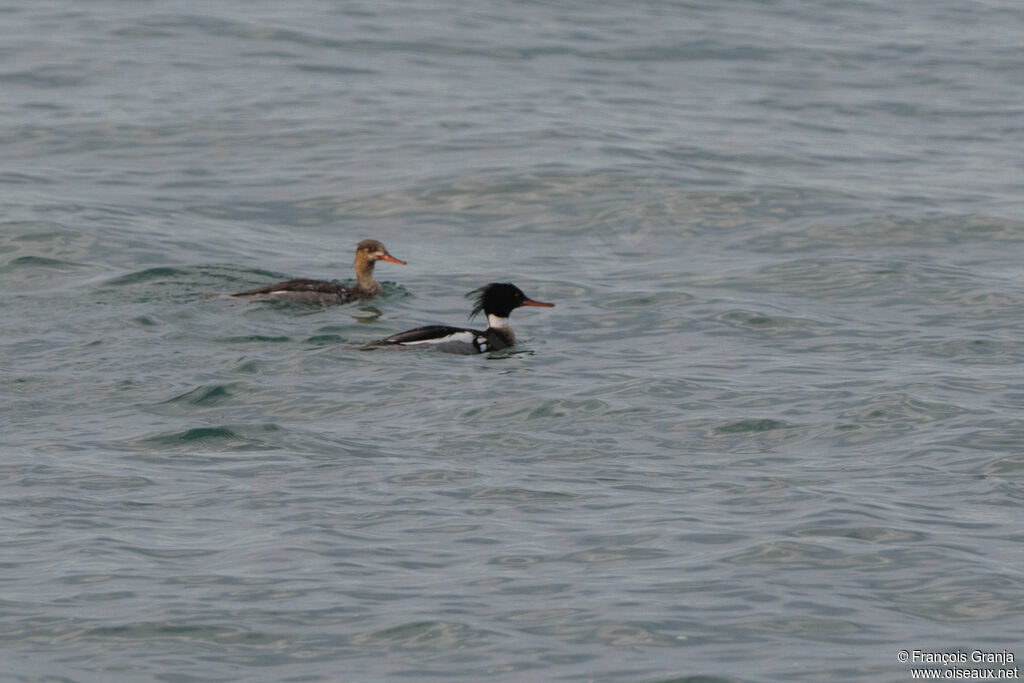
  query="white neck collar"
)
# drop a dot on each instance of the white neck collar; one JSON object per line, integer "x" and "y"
{"x": 496, "y": 321}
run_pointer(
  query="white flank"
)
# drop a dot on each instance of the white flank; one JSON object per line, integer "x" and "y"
{"x": 463, "y": 337}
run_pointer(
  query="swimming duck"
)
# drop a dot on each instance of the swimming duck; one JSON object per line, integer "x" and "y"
{"x": 323, "y": 293}
{"x": 496, "y": 300}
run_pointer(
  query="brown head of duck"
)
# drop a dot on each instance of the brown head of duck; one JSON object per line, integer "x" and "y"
{"x": 367, "y": 254}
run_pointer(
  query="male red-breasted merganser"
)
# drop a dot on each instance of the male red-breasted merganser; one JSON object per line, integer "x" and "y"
{"x": 323, "y": 293}
{"x": 497, "y": 300}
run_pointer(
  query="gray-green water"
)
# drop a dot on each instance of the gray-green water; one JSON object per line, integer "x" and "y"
{"x": 772, "y": 430}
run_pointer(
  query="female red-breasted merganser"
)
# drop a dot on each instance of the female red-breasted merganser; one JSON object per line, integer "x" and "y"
{"x": 323, "y": 293}
{"x": 497, "y": 300}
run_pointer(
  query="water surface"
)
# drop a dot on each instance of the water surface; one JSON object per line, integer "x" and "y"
{"x": 770, "y": 432}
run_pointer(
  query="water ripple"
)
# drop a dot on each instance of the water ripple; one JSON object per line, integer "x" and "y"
{"x": 770, "y": 432}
